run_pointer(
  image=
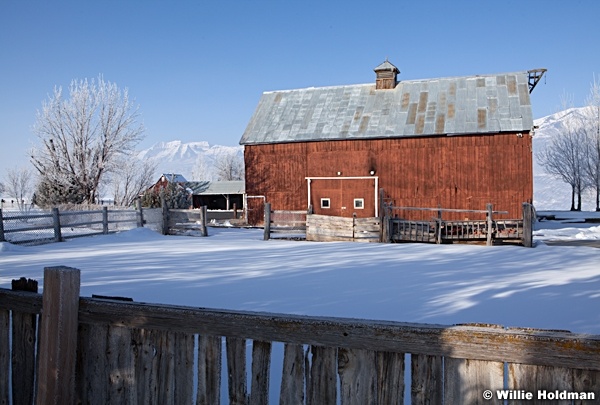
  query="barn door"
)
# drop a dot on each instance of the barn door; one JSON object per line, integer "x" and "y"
{"x": 343, "y": 196}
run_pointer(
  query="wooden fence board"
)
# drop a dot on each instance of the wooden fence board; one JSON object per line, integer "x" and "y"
{"x": 586, "y": 381}
{"x": 292, "y": 379}
{"x": 540, "y": 378}
{"x": 322, "y": 384}
{"x": 146, "y": 371}
{"x": 91, "y": 378}
{"x": 4, "y": 356}
{"x": 390, "y": 378}
{"x": 261, "y": 362}
{"x": 236, "y": 371}
{"x": 358, "y": 376}
{"x": 24, "y": 338}
{"x": 166, "y": 367}
{"x": 184, "y": 368}
{"x": 466, "y": 380}
{"x": 209, "y": 370}
{"x": 427, "y": 379}
{"x": 120, "y": 362}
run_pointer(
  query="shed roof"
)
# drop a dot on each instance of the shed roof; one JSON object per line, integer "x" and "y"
{"x": 445, "y": 106}
{"x": 216, "y": 187}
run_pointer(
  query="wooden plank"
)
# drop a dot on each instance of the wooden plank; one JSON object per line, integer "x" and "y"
{"x": 4, "y": 356}
{"x": 184, "y": 368}
{"x": 292, "y": 379}
{"x": 466, "y": 380}
{"x": 541, "y": 378}
{"x": 537, "y": 347}
{"x": 261, "y": 362}
{"x": 146, "y": 370}
{"x": 165, "y": 362}
{"x": 58, "y": 336}
{"x": 390, "y": 378}
{"x": 586, "y": 381}
{"x": 236, "y": 371}
{"x": 24, "y": 340}
{"x": 427, "y": 379}
{"x": 322, "y": 384}
{"x": 209, "y": 370}
{"x": 358, "y": 376}
{"x": 91, "y": 379}
{"x": 120, "y": 367}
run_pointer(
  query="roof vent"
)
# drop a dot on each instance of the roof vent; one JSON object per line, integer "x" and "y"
{"x": 386, "y": 76}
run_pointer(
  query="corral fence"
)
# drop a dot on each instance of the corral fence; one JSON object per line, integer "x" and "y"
{"x": 435, "y": 229}
{"x": 103, "y": 350}
{"x": 191, "y": 222}
{"x": 55, "y": 225}
{"x": 284, "y": 224}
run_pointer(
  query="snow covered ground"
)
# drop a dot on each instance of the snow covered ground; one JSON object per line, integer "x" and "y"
{"x": 554, "y": 287}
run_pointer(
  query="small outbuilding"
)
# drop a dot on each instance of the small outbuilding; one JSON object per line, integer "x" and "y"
{"x": 454, "y": 142}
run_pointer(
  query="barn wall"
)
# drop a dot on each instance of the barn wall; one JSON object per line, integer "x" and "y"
{"x": 462, "y": 172}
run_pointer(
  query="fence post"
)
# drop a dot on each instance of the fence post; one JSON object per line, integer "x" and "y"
{"x": 527, "y": 225}
{"x": 267, "y": 228}
{"x": 1, "y": 227}
{"x": 56, "y": 220}
{"x": 165, "y": 216}
{"x": 203, "y": 214}
{"x": 105, "y": 220}
{"x": 140, "y": 213}
{"x": 438, "y": 231}
{"x": 490, "y": 225}
{"x": 58, "y": 336}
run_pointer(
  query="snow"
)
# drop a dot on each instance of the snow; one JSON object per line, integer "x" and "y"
{"x": 556, "y": 287}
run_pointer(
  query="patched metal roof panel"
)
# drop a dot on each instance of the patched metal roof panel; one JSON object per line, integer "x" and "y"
{"x": 452, "y": 106}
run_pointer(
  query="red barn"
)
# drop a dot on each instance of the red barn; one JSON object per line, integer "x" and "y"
{"x": 457, "y": 142}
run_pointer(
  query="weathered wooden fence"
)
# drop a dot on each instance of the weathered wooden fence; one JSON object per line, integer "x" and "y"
{"x": 438, "y": 230}
{"x": 98, "y": 351}
{"x": 326, "y": 228}
{"x": 56, "y": 225}
{"x": 284, "y": 223}
{"x": 184, "y": 222}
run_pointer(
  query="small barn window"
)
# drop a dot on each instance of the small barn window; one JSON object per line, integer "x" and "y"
{"x": 325, "y": 203}
{"x": 359, "y": 203}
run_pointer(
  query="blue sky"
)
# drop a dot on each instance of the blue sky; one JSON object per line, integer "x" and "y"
{"x": 197, "y": 68}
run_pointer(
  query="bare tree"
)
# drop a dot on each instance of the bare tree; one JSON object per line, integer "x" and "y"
{"x": 82, "y": 138}
{"x": 132, "y": 180}
{"x": 591, "y": 126}
{"x": 229, "y": 166}
{"x": 565, "y": 155}
{"x": 19, "y": 186}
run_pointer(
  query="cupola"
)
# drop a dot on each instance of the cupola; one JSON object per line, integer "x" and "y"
{"x": 387, "y": 76}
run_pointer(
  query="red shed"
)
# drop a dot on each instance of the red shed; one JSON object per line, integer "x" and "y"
{"x": 456, "y": 142}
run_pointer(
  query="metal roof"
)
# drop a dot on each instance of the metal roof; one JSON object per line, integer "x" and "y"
{"x": 173, "y": 177}
{"x": 216, "y": 187}
{"x": 444, "y": 106}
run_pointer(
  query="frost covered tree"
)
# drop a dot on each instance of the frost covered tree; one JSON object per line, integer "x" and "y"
{"x": 564, "y": 158}
{"x": 132, "y": 179}
{"x": 19, "y": 186}
{"x": 229, "y": 166}
{"x": 83, "y": 137}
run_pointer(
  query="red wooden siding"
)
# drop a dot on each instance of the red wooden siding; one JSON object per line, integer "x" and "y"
{"x": 462, "y": 172}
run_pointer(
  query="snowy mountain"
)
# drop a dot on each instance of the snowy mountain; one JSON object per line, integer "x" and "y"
{"x": 194, "y": 160}
{"x": 548, "y": 192}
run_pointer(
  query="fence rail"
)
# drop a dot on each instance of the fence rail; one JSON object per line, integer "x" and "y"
{"x": 57, "y": 225}
{"x": 284, "y": 223}
{"x": 438, "y": 230}
{"x": 130, "y": 352}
